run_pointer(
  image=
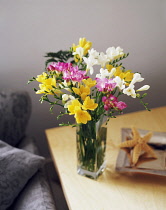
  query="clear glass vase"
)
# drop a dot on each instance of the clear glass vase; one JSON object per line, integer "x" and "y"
{"x": 91, "y": 147}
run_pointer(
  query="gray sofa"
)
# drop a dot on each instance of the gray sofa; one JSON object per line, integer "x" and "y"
{"x": 28, "y": 181}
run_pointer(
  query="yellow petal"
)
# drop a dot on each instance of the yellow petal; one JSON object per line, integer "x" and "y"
{"x": 76, "y": 90}
{"x": 89, "y": 104}
{"x": 82, "y": 42}
{"x": 75, "y": 105}
{"x": 89, "y": 82}
{"x": 109, "y": 67}
{"x": 82, "y": 116}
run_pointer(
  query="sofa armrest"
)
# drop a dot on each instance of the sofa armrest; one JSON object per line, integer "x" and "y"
{"x": 15, "y": 109}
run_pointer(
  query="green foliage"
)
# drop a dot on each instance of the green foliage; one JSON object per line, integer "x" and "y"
{"x": 114, "y": 62}
{"x": 143, "y": 103}
{"x": 60, "y": 56}
{"x": 31, "y": 80}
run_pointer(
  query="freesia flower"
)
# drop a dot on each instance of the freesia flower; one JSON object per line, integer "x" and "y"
{"x": 93, "y": 53}
{"x": 120, "y": 105}
{"x": 126, "y": 75}
{"x": 67, "y": 99}
{"x": 82, "y": 91}
{"x": 105, "y": 84}
{"x": 74, "y": 74}
{"x": 48, "y": 86}
{"x": 112, "y": 102}
{"x": 82, "y": 116}
{"x": 89, "y": 82}
{"x": 89, "y": 104}
{"x": 69, "y": 102}
{"x": 90, "y": 62}
{"x": 102, "y": 59}
{"x": 80, "y": 52}
{"x": 84, "y": 44}
{"x": 83, "y": 96}
{"x": 119, "y": 82}
{"x": 136, "y": 78}
{"x": 75, "y": 106}
{"x": 59, "y": 66}
{"x": 143, "y": 88}
{"x": 114, "y": 53}
{"x": 112, "y": 72}
{"x": 105, "y": 73}
{"x": 109, "y": 102}
{"x": 42, "y": 77}
{"x": 130, "y": 91}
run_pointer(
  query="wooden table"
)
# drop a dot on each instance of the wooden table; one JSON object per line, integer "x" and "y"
{"x": 112, "y": 191}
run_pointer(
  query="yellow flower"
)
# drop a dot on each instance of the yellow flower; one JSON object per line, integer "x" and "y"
{"x": 82, "y": 91}
{"x": 75, "y": 106}
{"x": 89, "y": 104}
{"x": 43, "y": 89}
{"x": 42, "y": 77}
{"x": 82, "y": 116}
{"x": 109, "y": 67}
{"x": 119, "y": 72}
{"x": 89, "y": 82}
{"x": 47, "y": 86}
{"x": 127, "y": 75}
{"x": 84, "y": 44}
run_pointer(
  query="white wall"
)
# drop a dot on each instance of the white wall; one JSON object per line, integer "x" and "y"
{"x": 30, "y": 28}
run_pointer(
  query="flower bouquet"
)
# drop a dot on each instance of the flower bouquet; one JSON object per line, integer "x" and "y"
{"x": 91, "y": 95}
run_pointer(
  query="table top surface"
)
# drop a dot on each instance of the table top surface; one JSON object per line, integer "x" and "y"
{"x": 112, "y": 190}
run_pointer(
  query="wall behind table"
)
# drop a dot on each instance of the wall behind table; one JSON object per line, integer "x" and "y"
{"x": 30, "y": 28}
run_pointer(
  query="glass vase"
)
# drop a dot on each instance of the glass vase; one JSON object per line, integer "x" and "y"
{"x": 91, "y": 147}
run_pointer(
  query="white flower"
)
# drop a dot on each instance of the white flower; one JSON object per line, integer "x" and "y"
{"x": 67, "y": 103}
{"x": 136, "y": 78}
{"x": 145, "y": 87}
{"x": 113, "y": 70}
{"x": 102, "y": 59}
{"x": 90, "y": 62}
{"x": 113, "y": 53}
{"x": 70, "y": 99}
{"x": 93, "y": 53}
{"x": 65, "y": 97}
{"x": 130, "y": 91}
{"x": 105, "y": 73}
{"x": 79, "y": 51}
{"x": 65, "y": 85}
{"x": 119, "y": 82}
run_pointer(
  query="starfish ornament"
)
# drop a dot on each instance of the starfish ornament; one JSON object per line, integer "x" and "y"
{"x": 138, "y": 144}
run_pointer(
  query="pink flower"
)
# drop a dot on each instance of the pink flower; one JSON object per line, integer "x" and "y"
{"x": 112, "y": 102}
{"x": 74, "y": 74}
{"x": 121, "y": 105}
{"x": 109, "y": 102}
{"x": 60, "y": 66}
{"x": 69, "y": 72}
{"x": 105, "y": 84}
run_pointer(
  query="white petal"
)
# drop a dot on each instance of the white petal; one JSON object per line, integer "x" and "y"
{"x": 91, "y": 70}
{"x": 65, "y": 97}
{"x": 136, "y": 78}
{"x": 113, "y": 70}
{"x": 145, "y": 87}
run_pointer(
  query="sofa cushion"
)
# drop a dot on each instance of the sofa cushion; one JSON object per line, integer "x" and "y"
{"x": 15, "y": 109}
{"x": 16, "y": 168}
{"x": 29, "y": 144}
{"x": 36, "y": 195}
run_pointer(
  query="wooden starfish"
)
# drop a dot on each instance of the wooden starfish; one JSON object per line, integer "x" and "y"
{"x": 138, "y": 144}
